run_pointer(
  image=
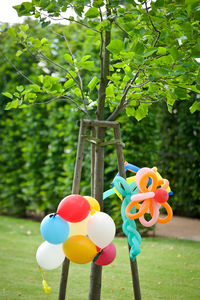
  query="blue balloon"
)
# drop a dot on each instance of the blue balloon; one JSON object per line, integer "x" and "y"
{"x": 54, "y": 229}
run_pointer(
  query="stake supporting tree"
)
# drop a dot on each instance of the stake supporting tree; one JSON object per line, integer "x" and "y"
{"x": 97, "y": 128}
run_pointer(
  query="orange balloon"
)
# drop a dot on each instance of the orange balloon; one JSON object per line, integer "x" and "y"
{"x": 79, "y": 249}
{"x": 169, "y": 214}
{"x": 139, "y": 213}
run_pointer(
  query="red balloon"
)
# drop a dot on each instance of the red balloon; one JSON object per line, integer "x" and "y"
{"x": 73, "y": 208}
{"x": 161, "y": 195}
{"x": 107, "y": 255}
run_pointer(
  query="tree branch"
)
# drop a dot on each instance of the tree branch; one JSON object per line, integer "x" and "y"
{"x": 140, "y": 85}
{"x": 121, "y": 107}
{"x": 122, "y": 29}
{"x": 152, "y": 24}
{"x": 82, "y": 24}
{"x": 41, "y": 55}
{"x": 105, "y": 62}
{"x": 59, "y": 98}
{"x": 17, "y": 70}
{"x": 102, "y": 43}
{"x": 67, "y": 19}
{"x": 77, "y": 71}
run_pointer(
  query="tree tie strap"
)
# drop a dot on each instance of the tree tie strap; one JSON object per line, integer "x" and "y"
{"x": 99, "y": 142}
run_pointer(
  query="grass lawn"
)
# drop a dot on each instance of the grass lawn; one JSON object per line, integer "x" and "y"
{"x": 168, "y": 268}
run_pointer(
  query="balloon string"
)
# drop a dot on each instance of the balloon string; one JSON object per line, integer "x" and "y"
{"x": 46, "y": 288}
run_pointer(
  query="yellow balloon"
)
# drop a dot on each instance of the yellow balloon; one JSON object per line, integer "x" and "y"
{"x": 79, "y": 228}
{"x": 160, "y": 177}
{"x": 94, "y": 204}
{"x": 79, "y": 249}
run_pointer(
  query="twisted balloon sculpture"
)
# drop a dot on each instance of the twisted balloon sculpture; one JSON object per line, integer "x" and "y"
{"x": 153, "y": 196}
{"x": 129, "y": 226}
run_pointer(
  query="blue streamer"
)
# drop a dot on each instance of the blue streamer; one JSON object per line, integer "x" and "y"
{"x": 127, "y": 167}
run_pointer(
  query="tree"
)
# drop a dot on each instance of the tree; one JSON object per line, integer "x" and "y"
{"x": 147, "y": 54}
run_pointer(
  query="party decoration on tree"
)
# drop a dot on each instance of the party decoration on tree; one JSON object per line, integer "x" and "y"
{"x": 80, "y": 249}
{"x": 129, "y": 227}
{"x": 50, "y": 256}
{"x": 74, "y": 208}
{"x": 78, "y": 231}
{"x": 125, "y": 190}
{"x": 54, "y": 229}
{"x": 133, "y": 169}
{"x": 101, "y": 229}
{"x": 153, "y": 197}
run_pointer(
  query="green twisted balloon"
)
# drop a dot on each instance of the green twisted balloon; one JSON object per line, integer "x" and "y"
{"x": 129, "y": 226}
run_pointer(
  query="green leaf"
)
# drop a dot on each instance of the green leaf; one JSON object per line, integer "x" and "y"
{"x": 195, "y": 106}
{"x": 92, "y": 12}
{"x": 24, "y": 9}
{"x": 115, "y": 46}
{"x": 19, "y": 52}
{"x": 35, "y": 88}
{"x": 139, "y": 48}
{"x": 44, "y": 41}
{"x": 130, "y": 111}
{"x": 110, "y": 90}
{"x": 142, "y": 111}
{"x": 159, "y": 3}
{"x": 98, "y": 3}
{"x": 69, "y": 83}
{"x": 181, "y": 93}
{"x": 77, "y": 92}
{"x": 161, "y": 50}
{"x": 149, "y": 52}
{"x": 12, "y": 104}
{"x": 120, "y": 65}
{"x": 9, "y": 95}
{"x": 12, "y": 31}
{"x": 79, "y": 10}
{"x": 92, "y": 84}
{"x": 30, "y": 97}
{"x": 68, "y": 58}
{"x": 24, "y": 27}
{"x": 84, "y": 58}
{"x": 170, "y": 98}
{"x": 195, "y": 52}
{"x": 20, "y": 88}
{"x": 88, "y": 65}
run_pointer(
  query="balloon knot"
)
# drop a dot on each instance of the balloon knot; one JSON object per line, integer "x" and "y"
{"x": 52, "y": 215}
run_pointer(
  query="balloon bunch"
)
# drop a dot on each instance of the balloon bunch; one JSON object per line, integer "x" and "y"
{"x": 153, "y": 191}
{"x": 129, "y": 227}
{"x": 78, "y": 231}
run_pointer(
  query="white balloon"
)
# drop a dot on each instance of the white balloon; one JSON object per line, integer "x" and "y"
{"x": 101, "y": 229}
{"x": 50, "y": 256}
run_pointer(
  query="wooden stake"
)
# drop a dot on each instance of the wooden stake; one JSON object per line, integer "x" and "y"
{"x": 122, "y": 173}
{"x": 75, "y": 190}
